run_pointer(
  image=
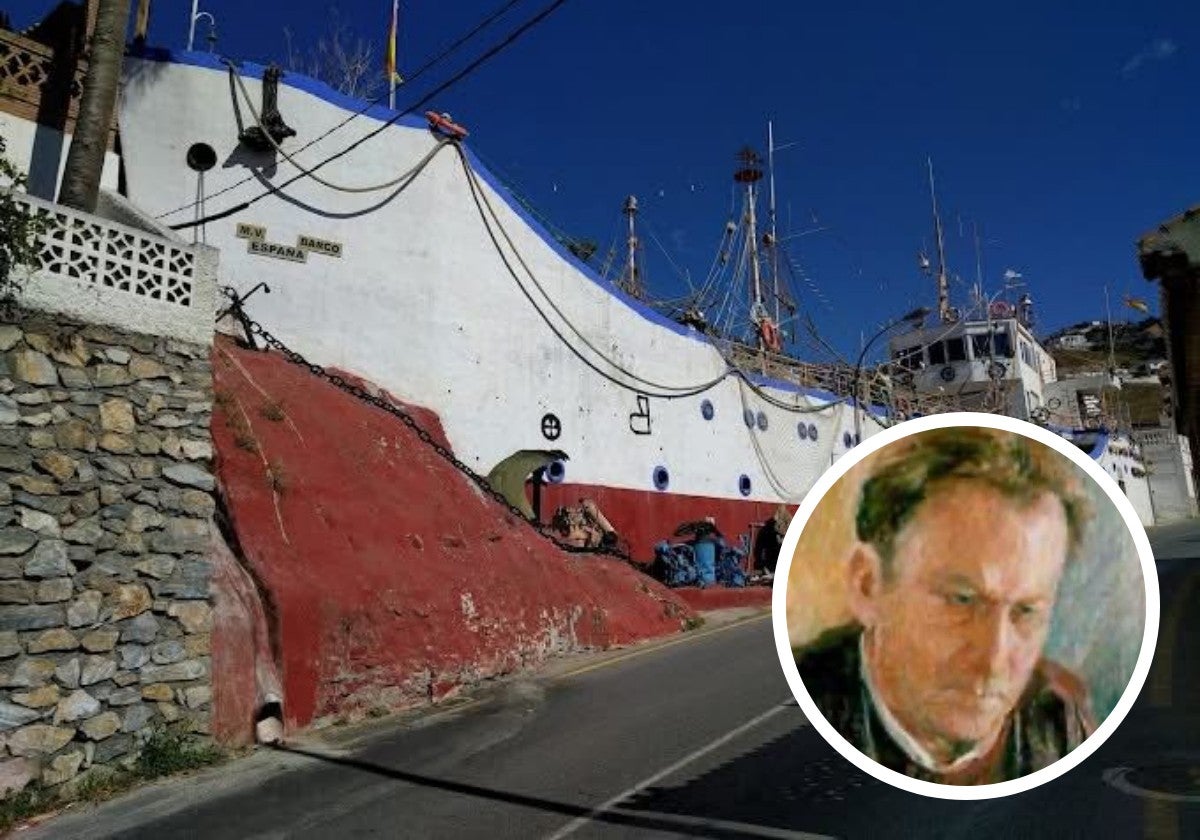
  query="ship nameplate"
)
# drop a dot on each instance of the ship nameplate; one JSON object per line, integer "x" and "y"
{"x": 276, "y": 250}
{"x": 319, "y": 246}
{"x": 246, "y": 231}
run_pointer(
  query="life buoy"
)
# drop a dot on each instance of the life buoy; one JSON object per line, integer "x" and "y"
{"x": 443, "y": 124}
{"x": 770, "y": 335}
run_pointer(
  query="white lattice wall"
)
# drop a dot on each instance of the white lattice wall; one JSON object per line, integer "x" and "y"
{"x": 104, "y": 272}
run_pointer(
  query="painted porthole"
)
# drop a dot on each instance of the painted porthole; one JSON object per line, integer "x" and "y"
{"x": 812, "y": 431}
{"x": 761, "y": 419}
{"x": 744, "y": 486}
{"x": 748, "y": 416}
{"x": 556, "y": 472}
{"x": 802, "y": 429}
{"x": 661, "y": 478}
{"x": 706, "y": 410}
{"x": 551, "y": 426}
{"x": 857, "y": 438}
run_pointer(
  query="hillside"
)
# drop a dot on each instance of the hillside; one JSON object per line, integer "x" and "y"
{"x": 1136, "y": 346}
{"x": 1135, "y": 343}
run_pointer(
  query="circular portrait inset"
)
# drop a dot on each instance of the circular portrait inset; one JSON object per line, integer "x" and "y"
{"x": 966, "y": 606}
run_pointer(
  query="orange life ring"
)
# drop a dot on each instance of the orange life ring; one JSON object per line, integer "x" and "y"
{"x": 770, "y": 335}
{"x": 443, "y": 124}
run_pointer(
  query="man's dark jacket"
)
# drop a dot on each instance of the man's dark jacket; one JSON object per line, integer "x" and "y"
{"x": 1052, "y": 718}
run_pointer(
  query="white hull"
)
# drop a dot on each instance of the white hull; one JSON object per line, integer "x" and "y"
{"x": 421, "y": 303}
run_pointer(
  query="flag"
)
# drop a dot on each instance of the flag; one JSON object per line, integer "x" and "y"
{"x": 1139, "y": 305}
{"x": 390, "y": 65}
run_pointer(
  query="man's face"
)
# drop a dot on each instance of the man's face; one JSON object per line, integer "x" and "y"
{"x": 957, "y": 627}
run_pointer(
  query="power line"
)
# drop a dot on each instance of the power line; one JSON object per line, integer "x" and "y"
{"x": 453, "y": 80}
{"x": 371, "y": 103}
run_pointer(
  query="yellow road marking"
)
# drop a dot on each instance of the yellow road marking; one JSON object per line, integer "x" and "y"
{"x": 688, "y": 637}
{"x": 1162, "y": 817}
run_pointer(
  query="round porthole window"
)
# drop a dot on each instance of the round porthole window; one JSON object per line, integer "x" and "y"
{"x": 744, "y": 486}
{"x": 857, "y": 438}
{"x": 748, "y": 416}
{"x": 802, "y": 429}
{"x": 761, "y": 419}
{"x": 812, "y": 431}
{"x": 847, "y": 439}
{"x": 661, "y": 478}
{"x": 556, "y": 472}
{"x": 706, "y": 410}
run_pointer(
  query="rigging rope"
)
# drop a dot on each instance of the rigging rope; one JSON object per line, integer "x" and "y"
{"x": 479, "y": 196}
{"x": 368, "y": 105}
{"x": 457, "y": 77}
{"x": 311, "y": 174}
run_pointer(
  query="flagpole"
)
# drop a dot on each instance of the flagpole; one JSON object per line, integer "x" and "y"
{"x": 392, "y": 55}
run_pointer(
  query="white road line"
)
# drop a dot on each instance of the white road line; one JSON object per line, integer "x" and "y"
{"x": 722, "y": 825}
{"x": 579, "y": 822}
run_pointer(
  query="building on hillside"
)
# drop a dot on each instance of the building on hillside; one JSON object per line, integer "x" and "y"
{"x": 1074, "y": 341}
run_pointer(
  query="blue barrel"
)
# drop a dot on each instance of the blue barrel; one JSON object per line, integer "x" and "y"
{"x": 706, "y": 562}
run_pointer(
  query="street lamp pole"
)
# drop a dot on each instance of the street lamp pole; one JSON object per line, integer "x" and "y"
{"x": 917, "y": 315}
{"x": 196, "y": 15}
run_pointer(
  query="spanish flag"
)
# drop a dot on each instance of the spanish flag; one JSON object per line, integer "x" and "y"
{"x": 390, "y": 66}
{"x": 1136, "y": 303}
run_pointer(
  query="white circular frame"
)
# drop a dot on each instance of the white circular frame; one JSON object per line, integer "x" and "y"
{"x": 787, "y": 659}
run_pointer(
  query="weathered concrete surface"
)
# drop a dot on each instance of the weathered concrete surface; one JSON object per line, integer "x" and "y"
{"x": 393, "y": 579}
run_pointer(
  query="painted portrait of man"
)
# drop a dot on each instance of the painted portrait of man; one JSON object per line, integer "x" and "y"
{"x": 963, "y": 538}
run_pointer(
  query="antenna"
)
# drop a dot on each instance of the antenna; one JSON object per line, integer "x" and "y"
{"x": 773, "y": 234}
{"x": 749, "y": 174}
{"x": 631, "y": 282}
{"x": 1112, "y": 357}
{"x": 943, "y": 284}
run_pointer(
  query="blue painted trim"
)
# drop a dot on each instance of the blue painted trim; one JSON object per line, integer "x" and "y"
{"x": 1103, "y": 436}
{"x": 319, "y": 89}
{"x": 307, "y": 84}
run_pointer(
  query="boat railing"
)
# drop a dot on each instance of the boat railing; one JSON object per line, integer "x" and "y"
{"x": 107, "y": 272}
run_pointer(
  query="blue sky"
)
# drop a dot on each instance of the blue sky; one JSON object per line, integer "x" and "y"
{"x": 1064, "y": 130}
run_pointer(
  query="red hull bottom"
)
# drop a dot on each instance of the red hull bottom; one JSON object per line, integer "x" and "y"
{"x": 645, "y": 518}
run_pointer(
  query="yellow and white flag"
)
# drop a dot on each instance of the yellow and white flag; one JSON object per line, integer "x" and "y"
{"x": 1138, "y": 304}
{"x": 390, "y": 66}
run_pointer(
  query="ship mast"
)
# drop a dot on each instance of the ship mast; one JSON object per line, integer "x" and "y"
{"x": 749, "y": 174}
{"x": 943, "y": 283}
{"x": 772, "y": 241}
{"x": 631, "y": 282}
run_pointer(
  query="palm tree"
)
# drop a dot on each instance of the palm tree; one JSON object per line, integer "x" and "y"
{"x": 85, "y": 160}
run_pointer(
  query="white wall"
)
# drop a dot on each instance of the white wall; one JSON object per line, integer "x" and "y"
{"x": 421, "y": 303}
{"x": 41, "y": 153}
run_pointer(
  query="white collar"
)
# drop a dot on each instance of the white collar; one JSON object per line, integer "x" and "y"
{"x": 911, "y": 747}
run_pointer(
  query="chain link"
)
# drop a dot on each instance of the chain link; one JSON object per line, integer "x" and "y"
{"x": 407, "y": 419}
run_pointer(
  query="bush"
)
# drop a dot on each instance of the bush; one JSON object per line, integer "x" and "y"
{"x": 19, "y": 229}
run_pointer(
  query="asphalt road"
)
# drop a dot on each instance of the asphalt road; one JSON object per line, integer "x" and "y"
{"x": 696, "y": 738}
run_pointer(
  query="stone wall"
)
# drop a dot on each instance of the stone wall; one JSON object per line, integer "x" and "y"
{"x": 106, "y": 501}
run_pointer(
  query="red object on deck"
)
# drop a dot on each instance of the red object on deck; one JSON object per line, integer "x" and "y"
{"x": 644, "y": 518}
{"x": 443, "y": 124}
{"x": 391, "y": 579}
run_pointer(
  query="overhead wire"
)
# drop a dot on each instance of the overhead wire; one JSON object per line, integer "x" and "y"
{"x": 453, "y": 80}
{"x": 369, "y": 104}
{"x": 485, "y": 209}
{"x": 290, "y": 159}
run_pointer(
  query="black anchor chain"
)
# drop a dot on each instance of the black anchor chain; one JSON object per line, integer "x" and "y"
{"x": 256, "y": 329}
